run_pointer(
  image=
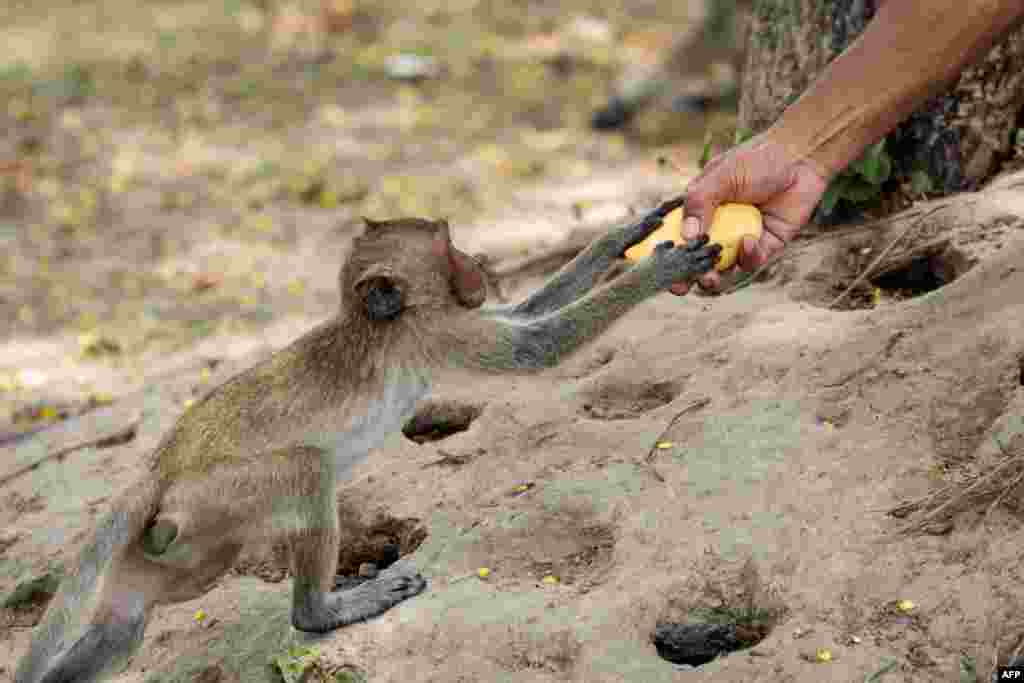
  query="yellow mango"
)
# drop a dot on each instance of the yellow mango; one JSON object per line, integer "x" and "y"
{"x": 671, "y": 229}
{"x": 729, "y": 225}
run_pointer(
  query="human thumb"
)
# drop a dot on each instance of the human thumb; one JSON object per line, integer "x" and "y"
{"x": 700, "y": 207}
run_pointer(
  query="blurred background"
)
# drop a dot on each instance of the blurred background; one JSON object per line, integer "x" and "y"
{"x": 171, "y": 170}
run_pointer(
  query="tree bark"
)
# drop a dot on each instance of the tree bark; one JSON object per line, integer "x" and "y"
{"x": 960, "y": 138}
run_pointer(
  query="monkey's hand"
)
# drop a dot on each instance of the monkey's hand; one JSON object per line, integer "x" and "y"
{"x": 679, "y": 263}
{"x": 581, "y": 274}
{"x": 635, "y": 233}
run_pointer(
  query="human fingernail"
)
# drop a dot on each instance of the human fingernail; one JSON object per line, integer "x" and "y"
{"x": 691, "y": 228}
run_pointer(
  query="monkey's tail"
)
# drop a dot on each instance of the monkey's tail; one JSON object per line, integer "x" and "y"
{"x": 123, "y": 525}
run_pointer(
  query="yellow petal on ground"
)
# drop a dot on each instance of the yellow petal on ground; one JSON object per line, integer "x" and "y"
{"x": 905, "y": 605}
{"x": 71, "y": 120}
{"x": 87, "y": 339}
{"x": 550, "y": 579}
{"x": 101, "y": 398}
{"x": 823, "y": 654}
{"x": 328, "y": 199}
{"x": 334, "y": 115}
{"x": 261, "y": 223}
{"x": 483, "y": 572}
{"x": 663, "y": 445}
{"x": 199, "y": 615}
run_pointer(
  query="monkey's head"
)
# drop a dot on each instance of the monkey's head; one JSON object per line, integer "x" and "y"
{"x": 402, "y": 265}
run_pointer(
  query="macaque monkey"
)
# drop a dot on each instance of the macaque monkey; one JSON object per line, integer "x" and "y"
{"x": 260, "y": 457}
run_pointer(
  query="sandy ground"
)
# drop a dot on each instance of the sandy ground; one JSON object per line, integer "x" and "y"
{"x": 773, "y": 493}
{"x": 787, "y": 431}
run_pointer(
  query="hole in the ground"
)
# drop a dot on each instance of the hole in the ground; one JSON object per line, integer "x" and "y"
{"x": 378, "y": 541}
{"x": 712, "y": 633}
{"x": 917, "y": 271}
{"x": 367, "y": 547}
{"x": 625, "y": 400}
{"x": 719, "y": 609}
{"x": 436, "y": 420}
{"x": 919, "y": 276}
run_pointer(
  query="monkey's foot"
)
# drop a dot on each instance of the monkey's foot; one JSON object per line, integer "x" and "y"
{"x": 398, "y": 582}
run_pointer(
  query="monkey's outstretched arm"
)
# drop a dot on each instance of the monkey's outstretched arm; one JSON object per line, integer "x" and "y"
{"x": 579, "y": 276}
{"x": 499, "y": 344}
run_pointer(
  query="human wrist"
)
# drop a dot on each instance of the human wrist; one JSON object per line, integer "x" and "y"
{"x": 858, "y": 98}
{"x": 792, "y": 136}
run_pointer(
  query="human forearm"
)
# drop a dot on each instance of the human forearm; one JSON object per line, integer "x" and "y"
{"x": 912, "y": 50}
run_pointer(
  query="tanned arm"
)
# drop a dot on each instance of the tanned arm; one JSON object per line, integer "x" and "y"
{"x": 859, "y": 97}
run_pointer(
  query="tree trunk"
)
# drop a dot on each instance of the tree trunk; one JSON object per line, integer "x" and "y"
{"x": 960, "y": 139}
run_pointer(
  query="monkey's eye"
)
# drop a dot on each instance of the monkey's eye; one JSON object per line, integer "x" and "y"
{"x": 382, "y": 299}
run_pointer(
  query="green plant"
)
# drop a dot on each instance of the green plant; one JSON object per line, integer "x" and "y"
{"x": 861, "y": 182}
{"x": 294, "y": 662}
{"x": 350, "y": 676}
{"x": 19, "y": 71}
{"x": 302, "y": 664}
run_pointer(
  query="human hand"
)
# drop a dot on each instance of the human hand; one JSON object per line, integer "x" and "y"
{"x": 762, "y": 172}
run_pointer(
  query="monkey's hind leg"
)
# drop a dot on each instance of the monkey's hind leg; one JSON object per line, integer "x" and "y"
{"x": 318, "y": 609}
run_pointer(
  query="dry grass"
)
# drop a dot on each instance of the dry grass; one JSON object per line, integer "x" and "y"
{"x": 934, "y": 512}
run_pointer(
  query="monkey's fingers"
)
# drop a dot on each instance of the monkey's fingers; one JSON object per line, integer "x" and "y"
{"x": 695, "y": 244}
{"x": 705, "y": 258}
{"x": 697, "y": 261}
{"x": 649, "y": 222}
{"x": 670, "y": 205}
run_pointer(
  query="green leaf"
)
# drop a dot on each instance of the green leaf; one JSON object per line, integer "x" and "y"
{"x": 705, "y": 154}
{"x": 888, "y": 664}
{"x": 742, "y": 135}
{"x": 860, "y": 192}
{"x": 921, "y": 182}
{"x": 874, "y": 164}
{"x": 166, "y": 39}
{"x": 968, "y": 669}
{"x": 831, "y": 196}
{"x": 294, "y": 662}
{"x": 18, "y": 71}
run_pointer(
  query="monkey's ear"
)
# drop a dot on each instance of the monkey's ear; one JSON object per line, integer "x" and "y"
{"x": 465, "y": 274}
{"x": 380, "y": 295}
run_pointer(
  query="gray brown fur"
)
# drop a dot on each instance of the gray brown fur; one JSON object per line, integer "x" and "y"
{"x": 260, "y": 457}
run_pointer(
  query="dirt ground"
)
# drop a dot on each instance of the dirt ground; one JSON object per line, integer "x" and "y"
{"x": 182, "y": 200}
